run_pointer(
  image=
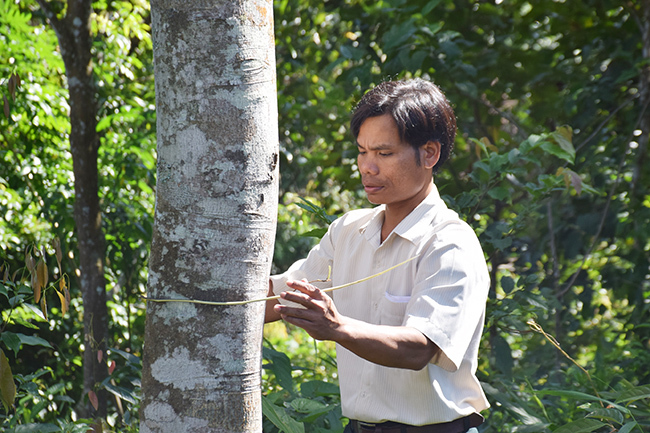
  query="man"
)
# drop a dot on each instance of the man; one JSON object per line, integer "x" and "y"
{"x": 407, "y": 341}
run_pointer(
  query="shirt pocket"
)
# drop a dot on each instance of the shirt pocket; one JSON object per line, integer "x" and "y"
{"x": 392, "y": 309}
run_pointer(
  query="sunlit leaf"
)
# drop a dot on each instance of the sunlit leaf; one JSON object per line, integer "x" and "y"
{"x": 64, "y": 307}
{"x": 7, "y": 384}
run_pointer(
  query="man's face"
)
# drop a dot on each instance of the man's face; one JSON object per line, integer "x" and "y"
{"x": 389, "y": 170}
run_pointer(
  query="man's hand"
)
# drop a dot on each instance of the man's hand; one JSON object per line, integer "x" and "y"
{"x": 319, "y": 316}
{"x": 390, "y": 346}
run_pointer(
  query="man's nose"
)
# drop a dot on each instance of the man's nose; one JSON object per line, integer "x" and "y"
{"x": 367, "y": 165}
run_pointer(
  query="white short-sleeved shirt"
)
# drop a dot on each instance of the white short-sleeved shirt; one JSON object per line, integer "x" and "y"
{"x": 442, "y": 293}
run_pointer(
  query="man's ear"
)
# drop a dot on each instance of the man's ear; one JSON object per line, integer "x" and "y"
{"x": 430, "y": 153}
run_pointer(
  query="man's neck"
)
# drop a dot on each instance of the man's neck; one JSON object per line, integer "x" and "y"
{"x": 395, "y": 213}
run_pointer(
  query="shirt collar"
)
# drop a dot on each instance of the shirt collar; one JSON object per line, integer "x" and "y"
{"x": 413, "y": 226}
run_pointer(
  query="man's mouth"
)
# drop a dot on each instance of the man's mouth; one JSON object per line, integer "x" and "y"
{"x": 371, "y": 189}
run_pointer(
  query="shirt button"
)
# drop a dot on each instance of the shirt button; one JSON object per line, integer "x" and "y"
{"x": 375, "y": 305}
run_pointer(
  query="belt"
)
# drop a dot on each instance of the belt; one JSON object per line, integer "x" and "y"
{"x": 460, "y": 425}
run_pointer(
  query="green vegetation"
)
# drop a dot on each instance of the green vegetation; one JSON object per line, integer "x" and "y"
{"x": 552, "y": 104}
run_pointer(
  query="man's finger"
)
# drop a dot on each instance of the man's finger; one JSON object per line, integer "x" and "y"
{"x": 298, "y": 298}
{"x": 300, "y": 313}
{"x": 306, "y": 288}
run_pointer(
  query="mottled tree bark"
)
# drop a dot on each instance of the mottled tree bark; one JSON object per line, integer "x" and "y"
{"x": 215, "y": 218}
{"x": 75, "y": 41}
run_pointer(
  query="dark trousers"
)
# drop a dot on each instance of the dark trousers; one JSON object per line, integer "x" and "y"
{"x": 462, "y": 425}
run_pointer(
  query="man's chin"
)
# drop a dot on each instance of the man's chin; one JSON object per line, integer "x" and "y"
{"x": 372, "y": 198}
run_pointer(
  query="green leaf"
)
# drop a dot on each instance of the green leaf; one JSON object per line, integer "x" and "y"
{"x": 499, "y": 193}
{"x": 104, "y": 123}
{"x": 11, "y": 340}
{"x": 503, "y": 354}
{"x": 7, "y": 384}
{"x": 429, "y": 6}
{"x": 32, "y": 340}
{"x": 305, "y": 405}
{"x": 530, "y": 143}
{"x": 580, "y": 426}
{"x": 638, "y": 393}
{"x": 507, "y": 284}
{"x": 131, "y": 358}
{"x": 627, "y": 428}
{"x": 280, "y": 418}
{"x": 315, "y": 233}
{"x": 607, "y": 414}
{"x": 313, "y": 409}
{"x": 37, "y": 428}
{"x": 3, "y": 291}
{"x": 317, "y": 388}
{"x": 122, "y": 393}
{"x": 34, "y": 309}
{"x": 25, "y": 323}
{"x": 281, "y": 366}
{"x": 563, "y": 136}
{"x": 555, "y": 149}
{"x": 577, "y": 395}
{"x": 398, "y": 34}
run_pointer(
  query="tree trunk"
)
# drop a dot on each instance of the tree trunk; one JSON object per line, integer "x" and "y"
{"x": 75, "y": 41}
{"x": 643, "y": 139}
{"x": 215, "y": 218}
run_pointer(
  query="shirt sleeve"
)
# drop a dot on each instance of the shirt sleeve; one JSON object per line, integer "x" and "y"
{"x": 316, "y": 266}
{"x": 450, "y": 293}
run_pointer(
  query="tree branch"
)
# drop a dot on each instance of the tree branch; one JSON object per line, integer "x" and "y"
{"x": 55, "y": 22}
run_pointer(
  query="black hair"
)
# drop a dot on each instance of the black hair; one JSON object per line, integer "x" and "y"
{"x": 421, "y": 112}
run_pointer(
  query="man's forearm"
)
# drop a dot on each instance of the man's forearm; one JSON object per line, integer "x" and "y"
{"x": 390, "y": 346}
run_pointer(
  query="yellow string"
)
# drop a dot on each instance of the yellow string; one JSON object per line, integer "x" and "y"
{"x": 271, "y": 298}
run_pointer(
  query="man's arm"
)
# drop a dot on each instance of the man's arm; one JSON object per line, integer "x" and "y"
{"x": 270, "y": 314}
{"x": 390, "y": 346}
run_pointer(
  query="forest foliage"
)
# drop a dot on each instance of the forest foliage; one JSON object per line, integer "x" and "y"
{"x": 552, "y": 105}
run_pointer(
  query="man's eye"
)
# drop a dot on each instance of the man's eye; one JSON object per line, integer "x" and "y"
{"x": 385, "y": 154}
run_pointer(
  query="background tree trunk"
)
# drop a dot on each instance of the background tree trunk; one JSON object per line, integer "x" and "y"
{"x": 215, "y": 218}
{"x": 75, "y": 41}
